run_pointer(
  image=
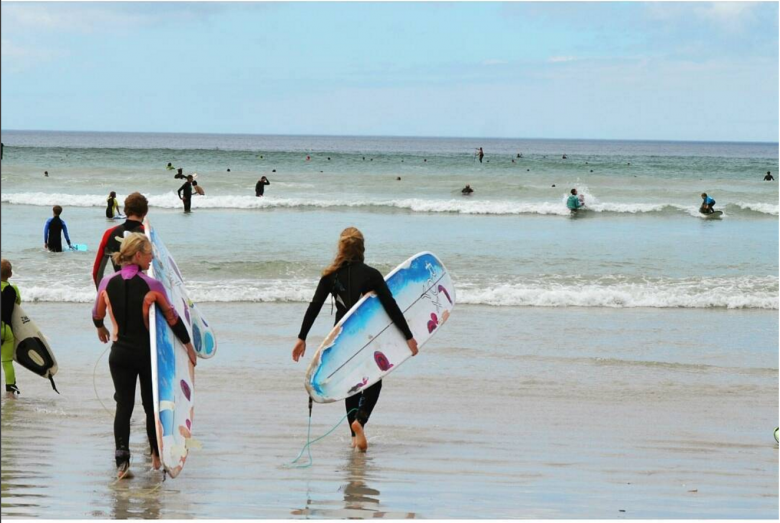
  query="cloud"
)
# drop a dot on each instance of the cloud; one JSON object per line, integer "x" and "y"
{"x": 17, "y": 58}
{"x": 558, "y": 59}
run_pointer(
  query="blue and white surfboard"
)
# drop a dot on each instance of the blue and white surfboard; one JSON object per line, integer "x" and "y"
{"x": 173, "y": 375}
{"x": 365, "y": 346}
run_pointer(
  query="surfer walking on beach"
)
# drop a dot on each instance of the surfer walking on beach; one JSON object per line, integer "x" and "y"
{"x": 127, "y": 296}
{"x": 10, "y": 299}
{"x": 136, "y": 207}
{"x": 347, "y": 279}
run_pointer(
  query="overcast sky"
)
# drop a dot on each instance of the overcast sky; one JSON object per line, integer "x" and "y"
{"x": 677, "y": 71}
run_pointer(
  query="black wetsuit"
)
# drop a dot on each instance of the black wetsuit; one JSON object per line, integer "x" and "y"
{"x": 126, "y": 296}
{"x": 260, "y": 187}
{"x": 54, "y": 228}
{"x": 347, "y": 285}
{"x": 187, "y": 188}
{"x": 110, "y": 204}
{"x": 110, "y": 244}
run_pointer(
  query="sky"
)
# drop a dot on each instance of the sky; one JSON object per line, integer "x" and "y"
{"x": 612, "y": 70}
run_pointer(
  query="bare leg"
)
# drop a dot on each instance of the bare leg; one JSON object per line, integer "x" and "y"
{"x": 360, "y": 437}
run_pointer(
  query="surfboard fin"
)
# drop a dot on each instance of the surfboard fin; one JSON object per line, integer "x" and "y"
{"x": 51, "y": 379}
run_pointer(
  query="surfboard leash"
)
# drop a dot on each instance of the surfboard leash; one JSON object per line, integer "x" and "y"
{"x": 310, "y": 442}
{"x": 94, "y": 381}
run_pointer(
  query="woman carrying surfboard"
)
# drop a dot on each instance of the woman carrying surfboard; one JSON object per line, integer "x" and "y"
{"x": 10, "y": 298}
{"x": 127, "y": 296}
{"x": 347, "y": 279}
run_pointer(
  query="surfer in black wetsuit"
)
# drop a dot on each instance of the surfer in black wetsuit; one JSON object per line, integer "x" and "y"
{"x": 187, "y": 190}
{"x": 260, "y": 186}
{"x": 136, "y": 208}
{"x": 347, "y": 279}
{"x": 112, "y": 207}
{"x": 126, "y": 296}
{"x": 53, "y": 230}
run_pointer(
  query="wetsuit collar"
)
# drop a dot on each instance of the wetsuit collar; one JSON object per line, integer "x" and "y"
{"x": 128, "y": 271}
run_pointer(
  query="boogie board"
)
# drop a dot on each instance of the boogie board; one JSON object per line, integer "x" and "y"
{"x": 173, "y": 376}
{"x": 710, "y": 216}
{"x": 365, "y": 346}
{"x": 78, "y": 247}
{"x": 31, "y": 350}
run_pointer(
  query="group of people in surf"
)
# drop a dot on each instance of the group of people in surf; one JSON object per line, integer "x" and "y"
{"x": 127, "y": 293}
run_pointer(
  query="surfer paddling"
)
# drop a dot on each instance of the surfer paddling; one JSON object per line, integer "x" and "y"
{"x": 128, "y": 294}
{"x": 347, "y": 279}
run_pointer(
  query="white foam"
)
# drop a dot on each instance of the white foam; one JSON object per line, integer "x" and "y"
{"x": 612, "y": 292}
{"x": 765, "y": 208}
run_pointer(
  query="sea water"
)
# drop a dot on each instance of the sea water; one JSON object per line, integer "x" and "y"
{"x": 620, "y": 359}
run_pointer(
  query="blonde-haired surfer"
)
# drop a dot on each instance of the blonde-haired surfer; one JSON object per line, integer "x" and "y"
{"x": 347, "y": 279}
{"x": 127, "y": 296}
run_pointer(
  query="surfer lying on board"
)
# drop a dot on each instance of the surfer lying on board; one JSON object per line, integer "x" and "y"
{"x": 707, "y": 204}
{"x": 136, "y": 208}
{"x": 10, "y": 299}
{"x": 127, "y": 295}
{"x": 347, "y": 279}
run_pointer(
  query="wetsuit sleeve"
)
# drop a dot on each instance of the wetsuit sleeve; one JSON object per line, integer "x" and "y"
{"x": 46, "y": 231}
{"x": 65, "y": 230}
{"x": 320, "y": 295}
{"x": 181, "y": 189}
{"x": 101, "y": 304}
{"x": 9, "y": 301}
{"x": 99, "y": 257}
{"x": 266, "y": 182}
{"x": 379, "y": 286}
{"x": 158, "y": 295}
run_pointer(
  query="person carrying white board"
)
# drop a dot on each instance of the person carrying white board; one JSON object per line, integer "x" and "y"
{"x": 10, "y": 299}
{"x": 127, "y": 296}
{"x": 347, "y": 279}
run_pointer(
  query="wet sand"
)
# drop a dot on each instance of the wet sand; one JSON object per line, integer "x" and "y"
{"x": 517, "y": 420}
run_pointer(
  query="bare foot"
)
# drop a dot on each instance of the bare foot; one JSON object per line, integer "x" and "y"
{"x": 10, "y": 395}
{"x": 156, "y": 464}
{"x": 124, "y": 472}
{"x": 360, "y": 436}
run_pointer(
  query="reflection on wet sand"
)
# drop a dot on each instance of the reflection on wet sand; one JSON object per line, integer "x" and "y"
{"x": 22, "y": 461}
{"x": 360, "y": 500}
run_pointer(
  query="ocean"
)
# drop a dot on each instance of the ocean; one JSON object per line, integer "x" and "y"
{"x": 625, "y": 355}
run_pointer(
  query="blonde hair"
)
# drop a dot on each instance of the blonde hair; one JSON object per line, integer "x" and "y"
{"x": 131, "y": 244}
{"x": 351, "y": 249}
{"x": 5, "y": 269}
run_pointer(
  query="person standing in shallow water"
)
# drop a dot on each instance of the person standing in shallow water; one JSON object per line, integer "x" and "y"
{"x": 127, "y": 296}
{"x": 187, "y": 190}
{"x": 53, "y": 230}
{"x": 260, "y": 186}
{"x": 347, "y": 279}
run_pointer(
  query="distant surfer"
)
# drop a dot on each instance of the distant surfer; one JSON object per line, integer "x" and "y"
{"x": 467, "y": 190}
{"x": 127, "y": 295}
{"x": 186, "y": 188}
{"x": 10, "y": 299}
{"x": 564, "y": 157}
{"x": 198, "y": 189}
{"x": 179, "y": 174}
{"x": 347, "y": 279}
{"x": 112, "y": 206}
{"x": 480, "y": 154}
{"x": 574, "y": 203}
{"x": 169, "y": 167}
{"x": 260, "y": 186}
{"x": 53, "y": 230}
{"x": 707, "y": 204}
{"x": 45, "y": 174}
{"x": 136, "y": 207}
{"x": 768, "y": 177}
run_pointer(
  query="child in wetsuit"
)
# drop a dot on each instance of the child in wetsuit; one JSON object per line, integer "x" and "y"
{"x": 10, "y": 299}
{"x": 55, "y": 226}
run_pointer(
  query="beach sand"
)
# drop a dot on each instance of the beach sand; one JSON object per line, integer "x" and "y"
{"x": 622, "y": 421}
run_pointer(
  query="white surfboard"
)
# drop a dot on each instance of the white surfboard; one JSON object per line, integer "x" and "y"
{"x": 31, "y": 350}
{"x": 365, "y": 346}
{"x": 173, "y": 375}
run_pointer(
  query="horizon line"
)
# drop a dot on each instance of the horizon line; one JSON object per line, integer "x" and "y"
{"x": 398, "y": 136}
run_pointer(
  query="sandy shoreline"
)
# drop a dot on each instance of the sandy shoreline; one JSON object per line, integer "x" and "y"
{"x": 473, "y": 428}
